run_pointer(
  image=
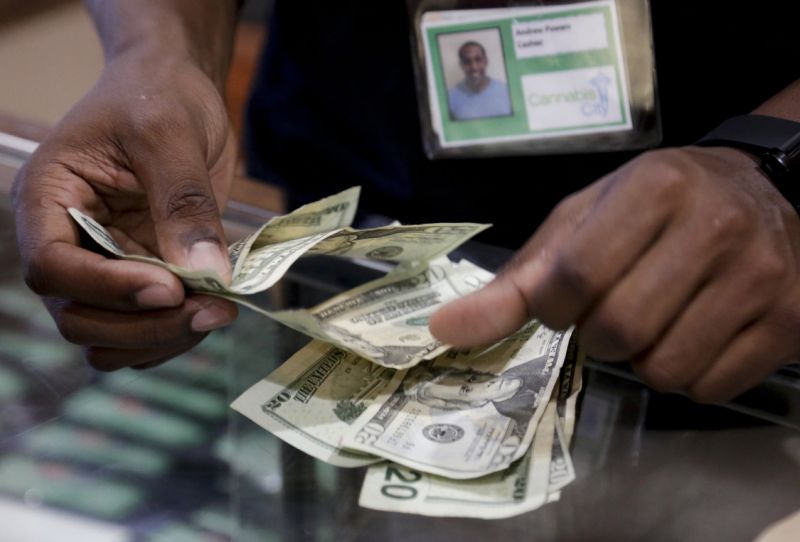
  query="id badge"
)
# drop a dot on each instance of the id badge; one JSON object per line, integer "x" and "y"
{"x": 566, "y": 78}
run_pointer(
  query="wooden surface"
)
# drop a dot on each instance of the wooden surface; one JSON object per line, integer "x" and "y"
{"x": 246, "y": 52}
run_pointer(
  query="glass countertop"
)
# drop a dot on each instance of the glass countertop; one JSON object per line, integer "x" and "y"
{"x": 158, "y": 455}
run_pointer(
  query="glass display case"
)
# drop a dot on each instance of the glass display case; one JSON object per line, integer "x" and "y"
{"x": 158, "y": 455}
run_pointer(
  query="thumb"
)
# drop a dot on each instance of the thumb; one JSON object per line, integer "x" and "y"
{"x": 506, "y": 303}
{"x": 184, "y": 210}
{"x": 494, "y": 312}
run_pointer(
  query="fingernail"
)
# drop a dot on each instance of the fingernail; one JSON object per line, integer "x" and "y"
{"x": 211, "y": 317}
{"x": 207, "y": 255}
{"x": 155, "y": 296}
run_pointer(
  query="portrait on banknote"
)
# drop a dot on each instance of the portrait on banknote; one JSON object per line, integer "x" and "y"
{"x": 513, "y": 393}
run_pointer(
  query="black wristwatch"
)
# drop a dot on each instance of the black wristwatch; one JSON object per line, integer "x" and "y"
{"x": 775, "y": 141}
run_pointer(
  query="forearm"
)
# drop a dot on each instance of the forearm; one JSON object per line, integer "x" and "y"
{"x": 200, "y": 31}
{"x": 785, "y": 104}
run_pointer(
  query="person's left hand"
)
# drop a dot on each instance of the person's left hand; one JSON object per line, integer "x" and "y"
{"x": 684, "y": 261}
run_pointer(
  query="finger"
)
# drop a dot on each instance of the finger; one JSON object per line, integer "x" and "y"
{"x": 165, "y": 328}
{"x": 113, "y": 359}
{"x": 577, "y": 255}
{"x": 606, "y": 246}
{"x": 710, "y": 322}
{"x": 157, "y": 362}
{"x": 172, "y": 167}
{"x": 748, "y": 360}
{"x": 501, "y": 307}
{"x": 69, "y": 272}
{"x": 755, "y": 352}
{"x": 53, "y": 263}
{"x": 649, "y": 297}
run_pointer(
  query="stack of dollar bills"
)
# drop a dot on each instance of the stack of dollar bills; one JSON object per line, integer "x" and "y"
{"x": 482, "y": 433}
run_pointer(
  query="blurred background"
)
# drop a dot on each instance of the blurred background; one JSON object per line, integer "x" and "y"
{"x": 50, "y": 56}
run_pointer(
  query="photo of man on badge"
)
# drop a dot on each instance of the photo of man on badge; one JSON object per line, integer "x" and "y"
{"x": 478, "y": 94}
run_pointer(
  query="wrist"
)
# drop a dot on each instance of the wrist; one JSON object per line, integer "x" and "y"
{"x": 774, "y": 141}
{"x": 736, "y": 157}
{"x": 168, "y": 32}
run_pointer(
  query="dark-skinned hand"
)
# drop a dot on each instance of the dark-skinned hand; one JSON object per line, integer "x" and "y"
{"x": 684, "y": 261}
{"x": 149, "y": 154}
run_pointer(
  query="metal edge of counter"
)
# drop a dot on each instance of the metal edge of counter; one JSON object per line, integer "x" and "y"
{"x": 15, "y": 150}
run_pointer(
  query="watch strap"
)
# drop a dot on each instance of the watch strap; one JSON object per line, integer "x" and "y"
{"x": 758, "y": 132}
{"x": 774, "y": 140}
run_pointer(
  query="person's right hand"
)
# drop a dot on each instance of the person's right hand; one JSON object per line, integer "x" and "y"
{"x": 149, "y": 154}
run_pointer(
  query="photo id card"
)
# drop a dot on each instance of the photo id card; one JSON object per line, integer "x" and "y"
{"x": 498, "y": 76}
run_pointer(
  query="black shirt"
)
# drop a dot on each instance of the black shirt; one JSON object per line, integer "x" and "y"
{"x": 334, "y": 105}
